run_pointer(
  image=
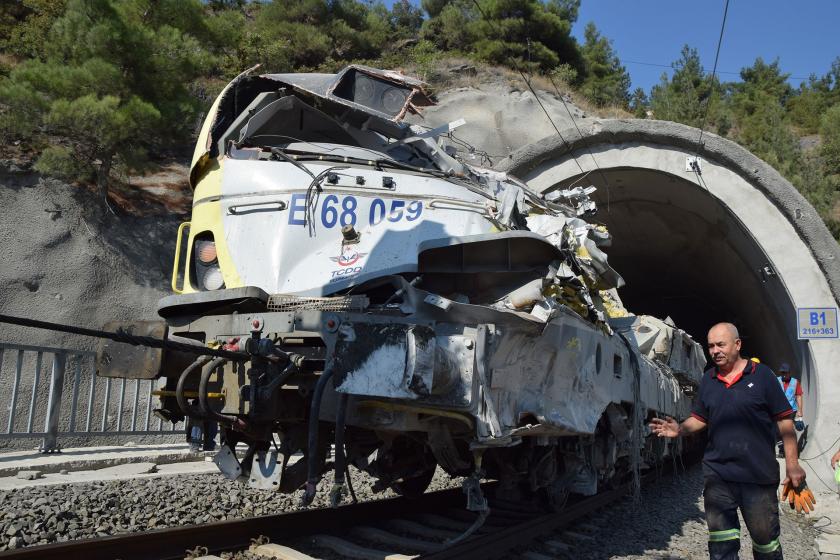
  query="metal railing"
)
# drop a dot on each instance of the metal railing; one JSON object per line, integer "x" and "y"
{"x": 62, "y": 414}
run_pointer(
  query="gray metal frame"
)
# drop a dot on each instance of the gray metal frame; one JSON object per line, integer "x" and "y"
{"x": 69, "y": 370}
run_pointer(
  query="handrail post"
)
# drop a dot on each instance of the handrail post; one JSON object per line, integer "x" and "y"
{"x": 50, "y": 443}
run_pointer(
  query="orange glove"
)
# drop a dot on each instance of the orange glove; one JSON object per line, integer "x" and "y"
{"x": 802, "y": 499}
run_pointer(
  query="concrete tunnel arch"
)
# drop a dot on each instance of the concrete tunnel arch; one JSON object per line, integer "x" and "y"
{"x": 735, "y": 242}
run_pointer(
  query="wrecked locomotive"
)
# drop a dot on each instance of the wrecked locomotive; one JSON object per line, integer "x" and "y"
{"x": 413, "y": 309}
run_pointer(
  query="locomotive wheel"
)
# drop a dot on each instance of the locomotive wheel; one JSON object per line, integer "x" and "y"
{"x": 414, "y": 487}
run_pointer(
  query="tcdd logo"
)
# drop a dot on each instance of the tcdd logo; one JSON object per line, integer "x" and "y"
{"x": 348, "y": 257}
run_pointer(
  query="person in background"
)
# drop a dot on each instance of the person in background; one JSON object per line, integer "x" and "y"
{"x": 793, "y": 391}
{"x": 201, "y": 435}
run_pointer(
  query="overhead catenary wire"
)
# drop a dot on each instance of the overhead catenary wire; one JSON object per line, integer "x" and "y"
{"x": 547, "y": 114}
{"x": 714, "y": 70}
{"x": 530, "y": 87}
{"x": 828, "y": 449}
{"x": 824, "y": 483}
{"x": 671, "y": 66}
{"x": 580, "y": 135}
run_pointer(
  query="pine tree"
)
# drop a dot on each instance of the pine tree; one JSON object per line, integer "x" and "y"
{"x": 758, "y": 105}
{"x": 606, "y": 81}
{"x": 525, "y": 31}
{"x": 814, "y": 97}
{"x": 639, "y": 103}
{"x": 113, "y": 82}
{"x": 406, "y": 19}
{"x": 684, "y": 97}
{"x": 527, "y": 34}
{"x": 449, "y": 27}
{"x": 24, "y": 25}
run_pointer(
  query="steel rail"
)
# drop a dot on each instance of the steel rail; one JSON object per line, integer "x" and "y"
{"x": 498, "y": 543}
{"x": 170, "y": 544}
{"x": 239, "y": 534}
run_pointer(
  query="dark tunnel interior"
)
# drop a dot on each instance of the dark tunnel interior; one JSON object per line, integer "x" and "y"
{"x": 685, "y": 255}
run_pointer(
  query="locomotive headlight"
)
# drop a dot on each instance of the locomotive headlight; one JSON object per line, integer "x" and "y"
{"x": 206, "y": 251}
{"x": 213, "y": 279}
{"x": 207, "y": 274}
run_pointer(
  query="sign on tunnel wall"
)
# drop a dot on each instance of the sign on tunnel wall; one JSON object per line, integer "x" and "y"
{"x": 816, "y": 322}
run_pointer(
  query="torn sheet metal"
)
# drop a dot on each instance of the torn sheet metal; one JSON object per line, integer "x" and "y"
{"x": 388, "y": 93}
{"x": 391, "y": 360}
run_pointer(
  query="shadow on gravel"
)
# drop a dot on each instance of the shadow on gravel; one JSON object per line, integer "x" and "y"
{"x": 668, "y": 508}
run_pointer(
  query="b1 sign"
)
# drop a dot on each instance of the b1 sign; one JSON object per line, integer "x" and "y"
{"x": 816, "y": 322}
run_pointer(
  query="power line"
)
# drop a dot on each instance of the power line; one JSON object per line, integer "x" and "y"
{"x": 714, "y": 69}
{"x": 588, "y": 149}
{"x": 528, "y": 83}
{"x": 671, "y": 66}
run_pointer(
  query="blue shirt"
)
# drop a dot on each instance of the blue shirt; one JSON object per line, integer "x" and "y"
{"x": 740, "y": 419}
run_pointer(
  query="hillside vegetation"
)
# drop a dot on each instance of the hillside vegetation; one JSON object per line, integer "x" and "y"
{"x": 92, "y": 90}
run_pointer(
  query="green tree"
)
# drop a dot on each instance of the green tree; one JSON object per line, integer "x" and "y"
{"x": 821, "y": 182}
{"x": 685, "y": 96}
{"x": 830, "y": 146}
{"x": 24, "y": 25}
{"x": 565, "y": 9}
{"x": 525, "y": 31}
{"x": 114, "y": 83}
{"x": 449, "y": 28}
{"x": 758, "y": 106}
{"x": 806, "y": 106}
{"x": 406, "y": 19}
{"x": 606, "y": 81}
{"x": 301, "y": 35}
{"x": 639, "y": 103}
{"x": 434, "y": 7}
{"x": 219, "y": 5}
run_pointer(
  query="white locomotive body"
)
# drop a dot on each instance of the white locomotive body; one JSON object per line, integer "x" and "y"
{"x": 416, "y": 310}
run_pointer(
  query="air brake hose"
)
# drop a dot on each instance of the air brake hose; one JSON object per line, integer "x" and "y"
{"x": 340, "y": 458}
{"x": 209, "y": 413}
{"x": 312, "y": 443}
{"x": 179, "y": 389}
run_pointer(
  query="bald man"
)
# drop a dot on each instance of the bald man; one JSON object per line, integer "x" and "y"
{"x": 739, "y": 402}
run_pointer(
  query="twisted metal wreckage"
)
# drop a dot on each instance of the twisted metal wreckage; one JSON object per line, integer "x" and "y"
{"x": 416, "y": 310}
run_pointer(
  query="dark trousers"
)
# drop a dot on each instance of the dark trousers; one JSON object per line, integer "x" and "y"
{"x": 759, "y": 506}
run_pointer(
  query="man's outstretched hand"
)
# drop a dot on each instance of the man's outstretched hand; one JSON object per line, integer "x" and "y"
{"x": 667, "y": 427}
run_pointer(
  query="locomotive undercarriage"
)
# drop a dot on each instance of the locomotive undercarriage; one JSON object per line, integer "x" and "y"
{"x": 413, "y": 381}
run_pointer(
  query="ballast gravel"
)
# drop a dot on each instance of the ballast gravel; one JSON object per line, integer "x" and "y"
{"x": 58, "y": 513}
{"x": 668, "y": 523}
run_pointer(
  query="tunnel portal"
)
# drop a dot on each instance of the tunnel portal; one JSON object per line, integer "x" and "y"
{"x": 730, "y": 241}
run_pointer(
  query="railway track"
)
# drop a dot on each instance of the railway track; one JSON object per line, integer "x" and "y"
{"x": 391, "y": 529}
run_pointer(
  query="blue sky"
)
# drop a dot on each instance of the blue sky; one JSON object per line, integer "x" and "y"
{"x": 803, "y": 35}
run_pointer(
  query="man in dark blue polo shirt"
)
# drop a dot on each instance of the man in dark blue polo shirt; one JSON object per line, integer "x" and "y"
{"x": 739, "y": 401}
